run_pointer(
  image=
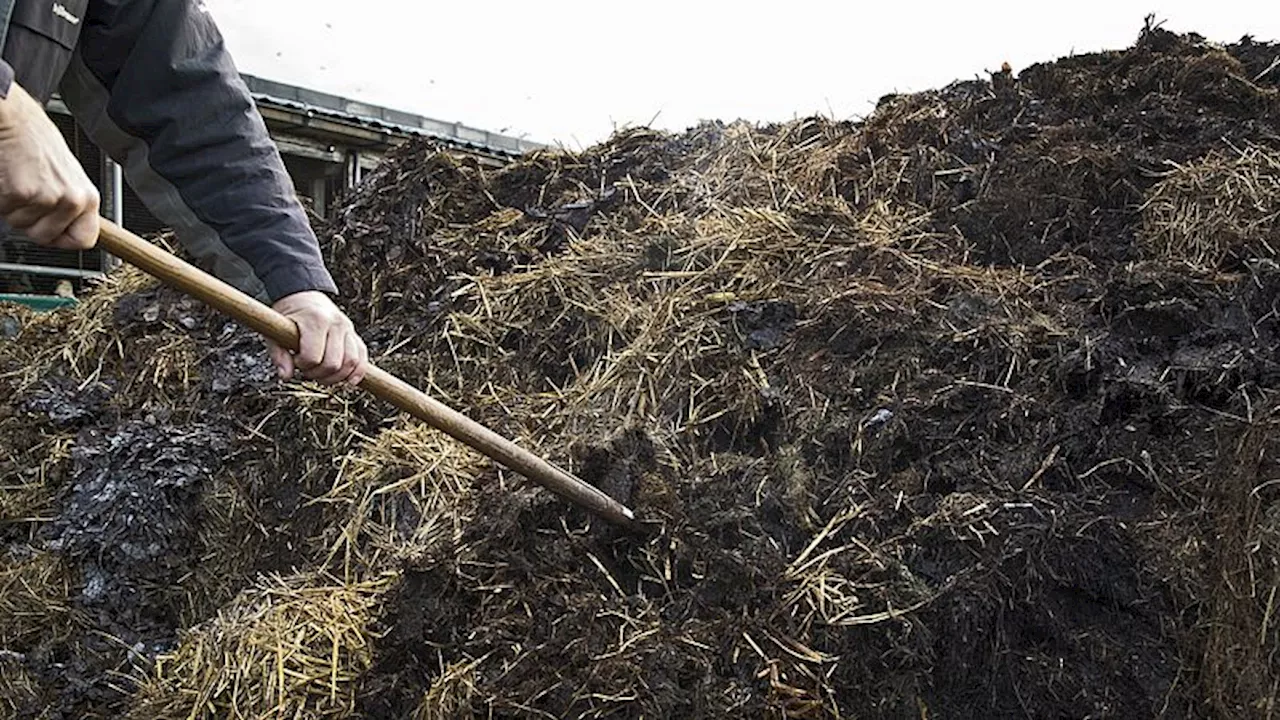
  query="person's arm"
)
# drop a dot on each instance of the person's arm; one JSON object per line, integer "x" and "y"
{"x": 152, "y": 84}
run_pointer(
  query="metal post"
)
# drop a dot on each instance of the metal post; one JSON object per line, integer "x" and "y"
{"x": 318, "y": 197}
{"x": 353, "y": 169}
{"x": 6, "y": 11}
{"x": 112, "y": 203}
{"x": 117, "y": 193}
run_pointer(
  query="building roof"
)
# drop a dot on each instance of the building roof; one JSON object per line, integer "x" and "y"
{"x": 313, "y": 103}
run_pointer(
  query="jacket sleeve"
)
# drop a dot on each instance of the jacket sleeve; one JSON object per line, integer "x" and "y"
{"x": 153, "y": 85}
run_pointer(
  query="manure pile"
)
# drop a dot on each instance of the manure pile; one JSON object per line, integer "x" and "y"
{"x": 970, "y": 409}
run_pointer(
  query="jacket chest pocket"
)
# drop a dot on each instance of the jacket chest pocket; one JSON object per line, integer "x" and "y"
{"x": 58, "y": 20}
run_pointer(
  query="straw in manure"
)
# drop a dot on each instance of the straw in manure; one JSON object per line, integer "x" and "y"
{"x": 1224, "y": 208}
{"x": 289, "y": 647}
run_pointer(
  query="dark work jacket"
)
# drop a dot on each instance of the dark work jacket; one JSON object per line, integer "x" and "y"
{"x": 151, "y": 83}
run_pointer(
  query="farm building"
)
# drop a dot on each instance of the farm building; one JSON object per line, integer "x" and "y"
{"x": 327, "y": 142}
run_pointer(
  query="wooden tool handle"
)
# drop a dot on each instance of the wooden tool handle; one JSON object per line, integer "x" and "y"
{"x": 221, "y": 296}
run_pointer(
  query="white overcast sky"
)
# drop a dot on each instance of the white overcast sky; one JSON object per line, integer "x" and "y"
{"x": 570, "y": 71}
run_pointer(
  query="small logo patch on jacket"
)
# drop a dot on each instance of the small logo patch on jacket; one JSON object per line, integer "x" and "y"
{"x": 61, "y": 11}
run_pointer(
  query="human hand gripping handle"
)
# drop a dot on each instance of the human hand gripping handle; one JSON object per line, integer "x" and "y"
{"x": 44, "y": 192}
{"x": 284, "y": 332}
{"x": 329, "y": 349}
